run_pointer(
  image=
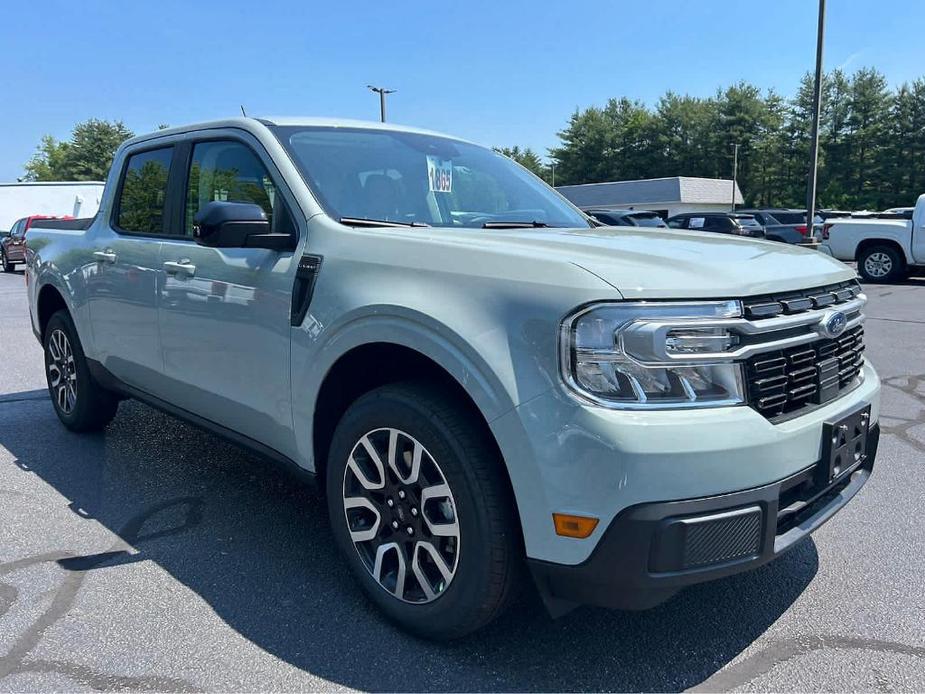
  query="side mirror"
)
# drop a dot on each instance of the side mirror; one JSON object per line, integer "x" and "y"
{"x": 237, "y": 225}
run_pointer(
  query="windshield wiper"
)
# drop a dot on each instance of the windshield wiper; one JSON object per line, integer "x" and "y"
{"x": 516, "y": 225}
{"x": 366, "y": 222}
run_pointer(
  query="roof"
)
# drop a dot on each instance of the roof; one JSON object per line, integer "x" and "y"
{"x": 52, "y": 183}
{"x": 248, "y": 123}
{"x": 677, "y": 189}
{"x": 619, "y": 210}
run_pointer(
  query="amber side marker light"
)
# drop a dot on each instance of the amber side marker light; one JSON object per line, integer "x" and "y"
{"x": 574, "y": 526}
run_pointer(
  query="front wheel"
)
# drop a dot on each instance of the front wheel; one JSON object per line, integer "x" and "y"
{"x": 7, "y": 265}
{"x": 422, "y": 511}
{"x": 881, "y": 264}
{"x": 79, "y": 401}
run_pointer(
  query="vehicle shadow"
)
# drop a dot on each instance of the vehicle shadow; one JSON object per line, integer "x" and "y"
{"x": 255, "y": 545}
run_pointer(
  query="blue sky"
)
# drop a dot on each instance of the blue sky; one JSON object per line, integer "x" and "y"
{"x": 498, "y": 72}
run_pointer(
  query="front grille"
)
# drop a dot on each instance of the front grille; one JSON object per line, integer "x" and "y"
{"x": 784, "y": 381}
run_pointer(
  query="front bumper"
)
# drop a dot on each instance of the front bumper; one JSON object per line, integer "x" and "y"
{"x": 652, "y": 550}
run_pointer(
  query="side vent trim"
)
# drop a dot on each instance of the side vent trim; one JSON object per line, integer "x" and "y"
{"x": 305, "y": 277}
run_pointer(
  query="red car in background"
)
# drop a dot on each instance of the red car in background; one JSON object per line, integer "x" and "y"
{"x": 13, "y": 245}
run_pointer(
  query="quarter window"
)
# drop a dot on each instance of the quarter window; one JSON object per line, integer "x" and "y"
{"x": 228, "y": 171}
{"x": 144, "y": 191}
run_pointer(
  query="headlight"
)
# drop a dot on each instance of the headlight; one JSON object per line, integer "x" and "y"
{"x": 652, "y": 355}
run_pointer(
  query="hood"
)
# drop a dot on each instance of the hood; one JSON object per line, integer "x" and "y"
{"x": 669, "y": 264}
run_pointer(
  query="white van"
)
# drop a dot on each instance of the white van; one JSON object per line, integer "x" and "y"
{"x": 56, "y": 199}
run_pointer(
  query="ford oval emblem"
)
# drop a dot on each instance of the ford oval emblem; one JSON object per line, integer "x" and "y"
{"x": 833, "y": 324}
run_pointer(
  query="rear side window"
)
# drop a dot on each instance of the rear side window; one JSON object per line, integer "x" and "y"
{"x": 790, "y": 217}
{"x": 718, "y": 224}
{"x": 229, "y": 171}
{"x": 144, "y": 192}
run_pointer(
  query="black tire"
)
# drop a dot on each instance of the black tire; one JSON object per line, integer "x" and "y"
{"x": 7, "y": 266}
{"x": 881, "y": 264}
{"x": 92, "y": 407}
{"x": 488, "y": 550}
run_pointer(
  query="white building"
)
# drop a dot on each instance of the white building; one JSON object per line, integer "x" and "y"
{"x": 57, "y": 199}
{"x": 667, "y": 196}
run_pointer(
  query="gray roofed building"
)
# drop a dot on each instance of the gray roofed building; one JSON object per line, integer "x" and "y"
{"x": 666, "y": 195}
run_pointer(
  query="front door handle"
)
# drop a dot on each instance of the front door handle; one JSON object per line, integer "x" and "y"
{"x": 107, "y": 256}
{"x": 180, "y": 267}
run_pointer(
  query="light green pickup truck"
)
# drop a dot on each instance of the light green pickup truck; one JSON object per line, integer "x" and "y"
{"x": 488, "y": 386}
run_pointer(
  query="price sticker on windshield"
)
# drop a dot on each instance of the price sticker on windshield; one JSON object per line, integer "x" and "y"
{"x": 440, "y": 174}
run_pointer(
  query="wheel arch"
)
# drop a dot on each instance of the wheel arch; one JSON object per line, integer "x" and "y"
{"x": 370, "y": 365}
{"x": 49, "y": 300}
{"x": 870, "y": 243}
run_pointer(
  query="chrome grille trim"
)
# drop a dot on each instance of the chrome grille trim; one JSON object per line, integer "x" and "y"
{"x": 646, "y": 339}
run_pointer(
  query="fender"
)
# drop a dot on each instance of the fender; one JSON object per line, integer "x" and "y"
{"x": 312, "y": 361}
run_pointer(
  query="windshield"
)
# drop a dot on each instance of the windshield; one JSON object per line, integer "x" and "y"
{"x": 362, "y": 174}
{"x": 649, "y": 220}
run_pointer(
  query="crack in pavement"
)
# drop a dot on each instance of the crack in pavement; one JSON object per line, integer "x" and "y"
{"x": 778, "y": 652}
{"x": 913, "y": 386}
{"x": 23, "y": 398}
{"x": 15, "y": 660}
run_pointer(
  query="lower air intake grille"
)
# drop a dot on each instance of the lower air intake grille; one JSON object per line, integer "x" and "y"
{"x": 785, "y": 381}
{"x": 721, "y": 539}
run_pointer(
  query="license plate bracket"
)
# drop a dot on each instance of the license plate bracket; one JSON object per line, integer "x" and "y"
{"x": 844, "y": 445}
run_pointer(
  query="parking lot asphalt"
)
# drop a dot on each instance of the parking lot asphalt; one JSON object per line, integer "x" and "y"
{"x": 156, "y": 556}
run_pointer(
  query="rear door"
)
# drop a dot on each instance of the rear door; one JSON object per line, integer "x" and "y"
{"x": 122, "y": 279}
{"x": 722, "y": 225}
{"x": 224, "y": 313}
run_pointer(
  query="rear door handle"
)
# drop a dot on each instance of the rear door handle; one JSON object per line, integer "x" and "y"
{"x": 107, "y": 256}
{"x": 180, "y": 267}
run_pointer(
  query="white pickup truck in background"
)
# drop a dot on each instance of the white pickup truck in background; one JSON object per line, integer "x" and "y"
{"x": 885, "y": 249}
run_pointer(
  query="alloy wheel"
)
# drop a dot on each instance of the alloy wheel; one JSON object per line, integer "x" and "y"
{"x": 401, "y": 515}
{"x": 62, "y": 371}
{"x": 878, "y": 264}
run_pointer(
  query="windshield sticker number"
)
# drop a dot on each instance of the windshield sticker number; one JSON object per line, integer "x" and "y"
{"x": 440, "y": 174}
{"x": 696, "y": 222}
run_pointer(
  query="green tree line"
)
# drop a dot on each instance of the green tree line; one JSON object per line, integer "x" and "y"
{"x": 872, "y": 141}
{"x": 85, "y": 157}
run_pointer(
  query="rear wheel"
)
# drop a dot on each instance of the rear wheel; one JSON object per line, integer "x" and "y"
{"x": 422, "y": 511}
{"x": 881, "y": 264}
{"x": 79, "y": 401}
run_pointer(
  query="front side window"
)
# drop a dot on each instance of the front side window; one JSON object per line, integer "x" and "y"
{"x": 227, "y": 170}
{"x": 411, "y": 178}
{"x": 144, "y": 191}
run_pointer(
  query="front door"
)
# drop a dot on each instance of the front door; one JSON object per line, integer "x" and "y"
{"x": 224, "y": 312}
{"x": 123, "y": 271}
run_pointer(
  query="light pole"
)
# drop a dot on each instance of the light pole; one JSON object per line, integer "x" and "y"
{"x": 381, "y": 91}
{"x": 814, "y": 138}
{"x": 735, "y": 174}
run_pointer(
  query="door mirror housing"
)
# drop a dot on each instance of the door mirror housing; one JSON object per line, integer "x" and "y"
{"x": 220, "y": 224}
